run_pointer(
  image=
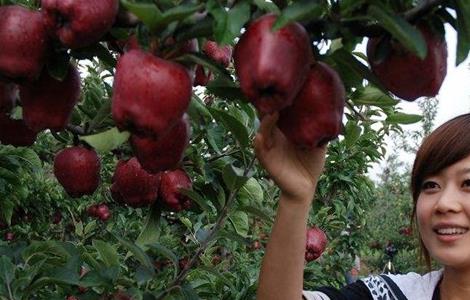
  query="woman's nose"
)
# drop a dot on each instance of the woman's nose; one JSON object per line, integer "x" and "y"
{"x": 449, "y": 201}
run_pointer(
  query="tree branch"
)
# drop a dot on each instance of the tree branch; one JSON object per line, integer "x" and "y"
{"x": 204, "y": 244}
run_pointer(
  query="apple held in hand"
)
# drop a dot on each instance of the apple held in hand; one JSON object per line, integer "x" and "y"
{"x": 7, "y": 96}
{"x": 133, "y": 185}
{"x": 48, "y": 102}
{"x": 316, "y": 243}
{"x": 272, "y": 66}
{"x": 170, "y": 184}
{"x": 78, "y": 170}
{"x": 316, "y": 115}
{"x": 150, "y": 94}
{"x": 15, "y": 132}
{"x": 79, "y": 23}
{"x": 167, "y": 151}
{"x": 406, "y": 75}
{"x": 23, "y": 42}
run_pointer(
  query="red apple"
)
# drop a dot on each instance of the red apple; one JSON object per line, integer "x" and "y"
{"x": 406, "y": 75}
{"x": 48, "y": 102}
{"x": 79, "y": 23}
{"x": 7, "y": 96}
{"x": 78, "y": 170}
{"x": 164, "y": 153}
{"x": 23, "y": 42}
{"x": 150, "y": 94}
{"x": 15, "y": 132}
{"x": 316, "y": 243}
{"x": 134, "y": 185}
{"x": 202, "y": 77}
{"x": 220, "y": 54}
{"x": 316, "y": 115}
{"x": 102, "y": 212}
{"x": 272, "y": 65}
{"x": 170, "y": 185}
{"x": 9, "y": 236}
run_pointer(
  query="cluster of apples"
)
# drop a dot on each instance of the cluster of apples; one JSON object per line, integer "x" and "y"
{"x": 151, "y": 94}
{"x": 308, "y": 95}
{"x": 26, "y": 42}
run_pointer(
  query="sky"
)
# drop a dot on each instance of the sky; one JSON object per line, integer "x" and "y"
{"x": 454, "y": 97}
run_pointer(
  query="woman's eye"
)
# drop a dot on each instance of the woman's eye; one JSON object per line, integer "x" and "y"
{"x": 466, "y": 183}
{"x": 428, "y": 185}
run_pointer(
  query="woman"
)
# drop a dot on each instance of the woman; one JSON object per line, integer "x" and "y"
{"x": 441, "y": 196}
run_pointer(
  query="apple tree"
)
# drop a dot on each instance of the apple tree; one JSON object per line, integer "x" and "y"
{"x": 127, "y": 168}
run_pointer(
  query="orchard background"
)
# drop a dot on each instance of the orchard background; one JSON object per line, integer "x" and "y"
{"x": 54, "y": 246}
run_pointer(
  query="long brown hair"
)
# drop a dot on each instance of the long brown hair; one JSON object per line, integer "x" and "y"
{"x": 446, "y": 145}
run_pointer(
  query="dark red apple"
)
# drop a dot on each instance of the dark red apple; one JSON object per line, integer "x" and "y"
{"x": 79, "y": 23}
{"x": 164, "y": 153}
{"x": 220, "y": 54}
{"x": 150, "y": 94}
{"x": 7, "y": 96}
{"x": 102, "y": 212}
{"x": 23, "y": 42}
{"x": 170, "y": 185}
{"x": 316, "y": 115}
{"x": 316, "y": 243}
{"x": 202, "y": 77}
{"x": 92, "y": 211}
{"x": 78, "y": 170}
{"x": 134, "y": 185}
{"x": 48, "y": 103}
{"x": 272, "y": 66}
{"x": 405, "y": 74}
{"x": 9, "y": 236}
{"x": 57, "y": 217}
{"x": 15, "y": 132}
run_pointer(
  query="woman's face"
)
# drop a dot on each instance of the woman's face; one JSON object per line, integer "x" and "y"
{"x": 443, "y": 213}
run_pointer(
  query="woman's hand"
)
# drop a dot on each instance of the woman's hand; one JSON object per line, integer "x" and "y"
{"x": 294, "y": 170}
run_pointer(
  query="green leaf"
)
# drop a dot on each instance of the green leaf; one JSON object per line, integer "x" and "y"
{"x": 402, "y": 118}
{"x": 197, "y": 198}
{"x": 138, "y": 253}
{"x": 257, "y": 212}
{"x": 232, "y": 124}
{"x": 148, "y": 13}
{"x": 7, "y": 270}
{"x": 164, "y": 251}
{"x": 300, "y": 11}
{"x": 239, "y": 221}
{"x": 410, "y": 37}
{"x": 352, "y": 133}
{"x": 346, "y": 60}
{"x": 251, "y": 193}
{"x": 205, "y": 61}
{"x": 107, "y": 253}
{"x": 373, "y": 96}
{"x": 225, "y": 89}
{"x": 233, "y": 177}
{"x": 106, "y": 141}
{"x": 463, "y": 29}
{"x": 267, "y": 6}
{"x": 151, "y": 232}
{"x": 228, "y": 24}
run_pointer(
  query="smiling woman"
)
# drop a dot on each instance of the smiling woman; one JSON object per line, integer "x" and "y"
{"x": 441, "y": 197}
